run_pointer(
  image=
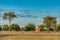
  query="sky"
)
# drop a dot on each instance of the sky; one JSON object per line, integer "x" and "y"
{"x": 30, "y": 11}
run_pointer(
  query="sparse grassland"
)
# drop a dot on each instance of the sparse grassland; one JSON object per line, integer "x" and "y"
{"x": 21, "y": 35}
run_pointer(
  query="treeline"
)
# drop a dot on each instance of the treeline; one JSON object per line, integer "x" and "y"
{"x": 16, "y": 27}
{"x": 49, "y": 24}
{"x": 29, "y": 27}
{"x": 13, "y": 27}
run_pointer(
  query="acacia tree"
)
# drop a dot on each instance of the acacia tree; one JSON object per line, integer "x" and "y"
{"x": 49, "y": 21}
{"x": 9, "y": 16}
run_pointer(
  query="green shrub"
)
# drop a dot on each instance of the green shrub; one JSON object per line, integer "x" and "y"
{"x": 30, "y": 27}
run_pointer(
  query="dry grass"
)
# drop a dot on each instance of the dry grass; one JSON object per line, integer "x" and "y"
{"x": 29, "y": 36}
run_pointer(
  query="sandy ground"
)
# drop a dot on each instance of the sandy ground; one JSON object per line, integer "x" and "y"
{"x": 12, "y": 35}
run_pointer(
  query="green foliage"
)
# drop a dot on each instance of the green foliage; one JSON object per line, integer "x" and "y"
{"x": 58, "y": 27}
{"x": 22, "y": 29}
{"x": 42, "y": 27}
{"x": 51, "y": 29}
{"x": 50, "y": 21}
{"x": 30, "y": 27}
{"x": 5, "y": 28}
{"x": 8, "y": 15}
{"x": 0, "y": 28}
{"x": 15, "y": 27}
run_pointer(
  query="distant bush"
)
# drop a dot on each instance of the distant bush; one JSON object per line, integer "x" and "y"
{"x": 58, "y": 27}
{"x": 5, "y": 28}
{"x": 15, "y": 27}
{"x": 30, "y": 27}
{"x": 22, "y": 29}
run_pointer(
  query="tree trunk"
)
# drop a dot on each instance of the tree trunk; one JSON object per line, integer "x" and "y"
{"x": 55, "y": 28}
{"x": 48, "y": 29}
{"x": 9, "y": 23}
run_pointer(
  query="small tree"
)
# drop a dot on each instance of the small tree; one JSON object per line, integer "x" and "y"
{"x": 15, "y": 27}
{"x": 30, "y": 27}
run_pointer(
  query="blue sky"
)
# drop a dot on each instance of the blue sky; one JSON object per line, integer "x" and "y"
{"x": 30, "y": 11}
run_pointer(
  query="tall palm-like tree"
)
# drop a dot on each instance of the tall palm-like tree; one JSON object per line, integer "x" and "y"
{"x": 9, "y": 16}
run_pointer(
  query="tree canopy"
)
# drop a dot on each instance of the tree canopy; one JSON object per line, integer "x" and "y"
{"x": 49, "y": 21}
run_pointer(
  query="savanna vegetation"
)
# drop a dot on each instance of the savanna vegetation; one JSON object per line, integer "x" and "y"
{"x": 49, "y": 24}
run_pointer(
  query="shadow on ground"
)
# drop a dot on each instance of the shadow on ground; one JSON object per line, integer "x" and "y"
{"x": 5, "y": 35}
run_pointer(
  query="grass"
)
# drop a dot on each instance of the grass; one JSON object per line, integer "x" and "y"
{"x": 12, "y": 35}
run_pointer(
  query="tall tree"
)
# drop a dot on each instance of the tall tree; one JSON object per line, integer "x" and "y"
{"x": 9, "y": 16}
{"x": 50, "y": 21}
